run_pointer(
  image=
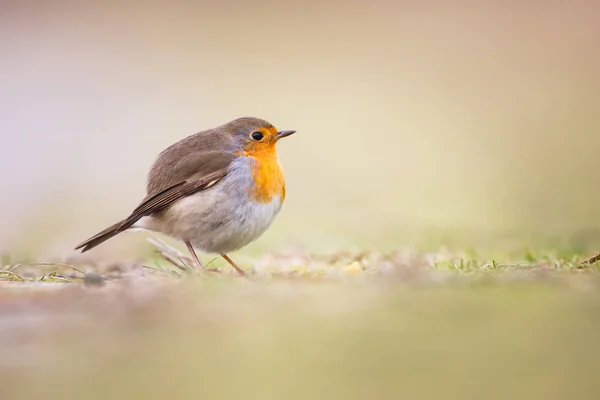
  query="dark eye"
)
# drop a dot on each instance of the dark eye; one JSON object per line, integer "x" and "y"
{"x": 257, "y": 136}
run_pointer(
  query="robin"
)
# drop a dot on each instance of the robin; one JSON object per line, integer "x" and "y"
{"x": 217, "y": 190}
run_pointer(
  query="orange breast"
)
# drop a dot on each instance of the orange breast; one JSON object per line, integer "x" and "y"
{"x": 268, "y": 175}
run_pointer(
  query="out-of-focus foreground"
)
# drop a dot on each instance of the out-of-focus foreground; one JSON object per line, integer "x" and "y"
{"x": 350, "y": 326}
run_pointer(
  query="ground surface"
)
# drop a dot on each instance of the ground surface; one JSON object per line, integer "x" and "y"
{"x": 345, "y": 325}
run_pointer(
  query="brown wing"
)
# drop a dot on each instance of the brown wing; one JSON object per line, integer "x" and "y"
{"x": 190, "y": 174}
{"x": 170, "y": 195}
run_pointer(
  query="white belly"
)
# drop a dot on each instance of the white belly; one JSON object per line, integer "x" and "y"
{"x": 220, "y": 219}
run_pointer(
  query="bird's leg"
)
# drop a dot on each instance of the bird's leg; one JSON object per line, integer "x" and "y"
{"x": 193, "y": 252}
{"x": 230, "y": 261}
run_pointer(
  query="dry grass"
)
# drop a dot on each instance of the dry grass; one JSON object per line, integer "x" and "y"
{"x": 342, "y": 325}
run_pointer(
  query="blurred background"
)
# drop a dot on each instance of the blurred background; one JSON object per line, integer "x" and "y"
{"x": 413, "y": 118}
{"x": 419, "y": 124}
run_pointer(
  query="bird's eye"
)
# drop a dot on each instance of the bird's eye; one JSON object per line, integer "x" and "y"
{"x": 257, "y": 136}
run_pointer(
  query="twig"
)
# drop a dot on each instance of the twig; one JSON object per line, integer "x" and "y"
{"x": 178, "y": 262}
{"x": 55, "y": 277}
{"x": 161, "y": 270}
{"x": 171, "y": 254}
{"x": 46, "y": 264}
{"x": 591, "y": 260}
{"x": 12, "y": 274}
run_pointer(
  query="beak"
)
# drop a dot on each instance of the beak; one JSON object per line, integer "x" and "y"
{"x": 282, "y": 134}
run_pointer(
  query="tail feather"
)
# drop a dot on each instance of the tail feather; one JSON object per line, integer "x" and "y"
{"x": 101, "y": 237}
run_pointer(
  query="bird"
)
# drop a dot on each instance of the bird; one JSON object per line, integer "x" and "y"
{"x": 216, "y": 190}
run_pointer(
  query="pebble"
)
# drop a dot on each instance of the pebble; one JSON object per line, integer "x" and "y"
{"x": 93, "y": 279}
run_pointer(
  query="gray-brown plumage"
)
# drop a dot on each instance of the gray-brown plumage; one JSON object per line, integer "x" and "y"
{"x": 191, "y": 166}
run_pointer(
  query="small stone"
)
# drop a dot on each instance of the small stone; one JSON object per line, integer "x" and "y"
{"x": 93, "y": 279}
{"x": 353, "y": 268}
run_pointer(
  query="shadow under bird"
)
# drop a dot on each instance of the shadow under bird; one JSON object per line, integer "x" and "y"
{"x": 217, "y": 190}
